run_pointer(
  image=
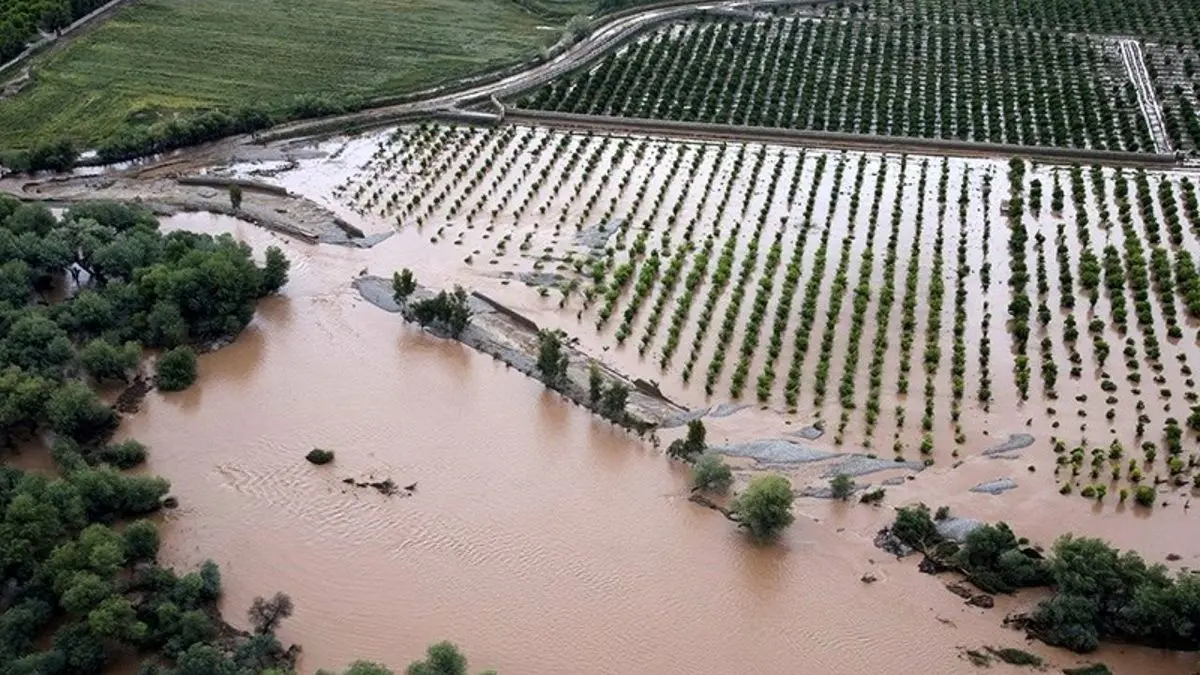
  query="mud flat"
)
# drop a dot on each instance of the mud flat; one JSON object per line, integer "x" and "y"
{"x": 268, "y": 207}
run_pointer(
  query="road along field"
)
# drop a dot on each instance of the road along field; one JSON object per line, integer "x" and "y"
{"x": 909, "y": 306}
{"x": 158, "y": 58}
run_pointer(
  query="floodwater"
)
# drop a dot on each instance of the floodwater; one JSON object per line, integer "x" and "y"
{"x": 538, "y": 538}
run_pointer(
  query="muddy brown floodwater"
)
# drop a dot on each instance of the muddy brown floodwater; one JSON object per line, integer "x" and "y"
{"x": 539, "y": 539}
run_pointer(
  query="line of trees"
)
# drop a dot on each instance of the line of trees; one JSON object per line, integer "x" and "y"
{"x": 133, "y": 140}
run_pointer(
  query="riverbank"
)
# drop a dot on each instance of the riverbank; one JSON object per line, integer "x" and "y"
{"x": 266, "y": 206}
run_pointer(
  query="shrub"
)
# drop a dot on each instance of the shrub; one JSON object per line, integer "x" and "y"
{"x": 123, "y": 455}
{"x": 175, "y": 370}
{"x": 1144, "y": 495}
{"x": 318, "y": 456}
{"x": 403, "y": 284}
{"x": 842, "y": 486}
{"x": 873, "y": 496}
{"x": 711, "y": 473}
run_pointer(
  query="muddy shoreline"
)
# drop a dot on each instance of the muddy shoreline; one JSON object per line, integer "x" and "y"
{"x": 263, "y": 205}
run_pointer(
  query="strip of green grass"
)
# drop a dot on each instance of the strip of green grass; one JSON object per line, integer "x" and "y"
{"x": 157, "y": 58}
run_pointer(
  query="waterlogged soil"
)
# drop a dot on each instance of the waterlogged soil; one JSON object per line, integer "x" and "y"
{"x": 540, "y": 538}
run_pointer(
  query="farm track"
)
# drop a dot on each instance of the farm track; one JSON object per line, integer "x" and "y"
{"x": 832, "y": 139}
{"x": 1135, "y": 65}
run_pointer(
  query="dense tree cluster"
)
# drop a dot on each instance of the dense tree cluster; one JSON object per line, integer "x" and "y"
{"x": 132, "y": 286}
{"x": 76, "y": 569}
{"x": 21, "y": 20}
{"x": 1100, "y": 593}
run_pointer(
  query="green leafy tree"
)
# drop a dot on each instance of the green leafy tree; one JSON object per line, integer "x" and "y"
{"x": 105, "y": 361}
{"x": 116, "y": 619}
{"x": 612, "y": 404}
{"x": 690, "y": 446}
{"x": 552, "y": 359}
{"x": 275, "y": 273}
{"x": 175, "y": 370}
{"x": 16, "y": 282}
{"x": 23, "y": 398}
{"x": 765, "y": 508}
{"x": 595, "y": 383}
{"x": 450, "y": 311}
{"x": 442, "y": 658}
{"x": 235, "y": 197}
{"x": 141, "y": 540}
{"x": 403, "y": 284}
{"x": 711, "y": 473}
{"x": 36, "y": 344}
{"x": 76, "y": 412}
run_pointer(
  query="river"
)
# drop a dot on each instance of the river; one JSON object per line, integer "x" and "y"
{"x": 540, "y": 539}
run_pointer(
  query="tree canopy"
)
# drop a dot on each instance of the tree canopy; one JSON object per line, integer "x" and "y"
{"x": 765, "y": 508}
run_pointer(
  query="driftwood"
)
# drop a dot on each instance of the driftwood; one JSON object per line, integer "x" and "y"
{"x": 700, "y": 499}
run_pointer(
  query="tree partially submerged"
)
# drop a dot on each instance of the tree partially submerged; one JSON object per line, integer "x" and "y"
{"x": 692, "y": 445}
{"x": 765, "y": 508}
{"x": 267, "y": 613}
{"x": 711, "y": 473}
{"x": 842, "y": 486}
{"x": 175, "y": 370}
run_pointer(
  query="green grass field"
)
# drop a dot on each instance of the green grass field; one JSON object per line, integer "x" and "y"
{"x": 160, "y": 57}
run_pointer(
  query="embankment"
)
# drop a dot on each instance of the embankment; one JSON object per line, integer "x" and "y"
{"x": 513, "y": 339}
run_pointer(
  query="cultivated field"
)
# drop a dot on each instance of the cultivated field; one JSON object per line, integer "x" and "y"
{"x": 157, "y": 58}
{"x": 912, "y": 304}
{"x": 919, "y": 68}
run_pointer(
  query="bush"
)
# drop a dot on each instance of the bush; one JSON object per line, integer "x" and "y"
{"x": 842, "y": 486}
{"x": 175, "y": 370}
{"x": 873, "y": 497}
{"x": 1144, "y": 495}
{"x": 765, "y": 508}
{"x": 448, "y": 310}
{"x": 319, "y": 457}
{"x": 914, "y": 527}
{"x": 711, "y": 473}
{"x": 123, "y": 455}
{"x": 403, "y": 284}
{"x": 693, "y": 444}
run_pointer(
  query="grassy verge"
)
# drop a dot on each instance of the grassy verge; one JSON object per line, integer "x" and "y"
{"x": 160, "y": 58}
